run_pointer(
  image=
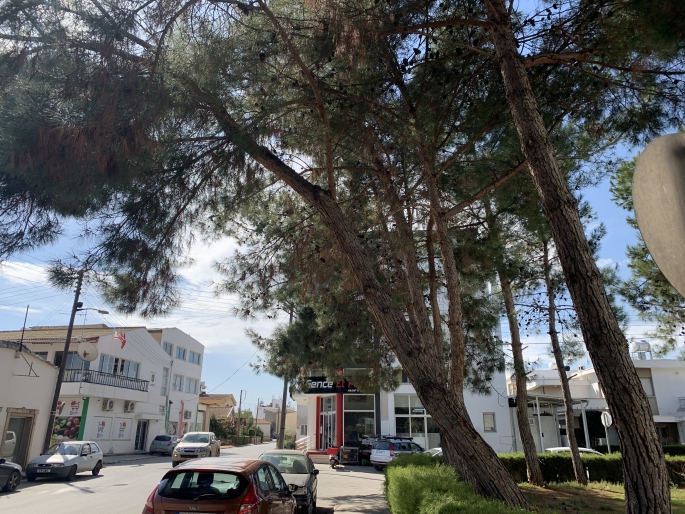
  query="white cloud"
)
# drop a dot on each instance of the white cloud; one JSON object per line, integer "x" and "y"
{"x": 601, "y": 263}
{"x": 23, "y": 273}
{"x": 205, "y": 255}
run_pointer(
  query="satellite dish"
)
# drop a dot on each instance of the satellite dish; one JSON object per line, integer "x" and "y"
{"x": 659, "y": 201}
{"x": 87, "y": 351}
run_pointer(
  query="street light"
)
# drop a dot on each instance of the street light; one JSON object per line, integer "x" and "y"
{"x": 100, "y": 311}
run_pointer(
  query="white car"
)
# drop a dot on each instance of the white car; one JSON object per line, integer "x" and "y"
{"x": 65, "y": 459}
{"x": 561, "y": 449}
{"x": 387, "y": 449}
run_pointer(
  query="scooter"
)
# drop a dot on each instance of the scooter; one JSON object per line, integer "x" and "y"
{"x": 333, "y": 456}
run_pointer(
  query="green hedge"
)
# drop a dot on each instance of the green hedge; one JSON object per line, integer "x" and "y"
{"x": 558, "y": 467}
{"x": 669, "y": 449}
{"x": 239, "y": 441}
{"x": 420, "y": 484}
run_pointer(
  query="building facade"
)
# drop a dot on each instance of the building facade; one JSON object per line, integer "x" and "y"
{"x": 27, "y": 385}
{"x": 662, "y": 379}
{"x": 137, "y": 386}
{"x": 338, "y": 413}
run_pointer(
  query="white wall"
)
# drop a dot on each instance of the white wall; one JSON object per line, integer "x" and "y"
{"x": 669, "y": 385}
{"x": 142, "y": 348}
{"x": 28, "y": 392}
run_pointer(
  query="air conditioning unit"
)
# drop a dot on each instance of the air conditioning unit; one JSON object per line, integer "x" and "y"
{"x": 129, "y": 406}
{"x": 161, "y": 409}
{"x": 107, "y": 404}
{"x": 187, "y": 414}
{"x": 202, "y": 385}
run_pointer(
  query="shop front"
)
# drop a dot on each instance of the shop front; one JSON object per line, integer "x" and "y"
{"x": 340, "y": 413}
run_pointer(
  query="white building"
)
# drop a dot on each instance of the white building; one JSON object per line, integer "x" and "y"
{"x": 120, "y": 398}
{"x": 27, "y": 385}
{"x": 338, "y": 413}
{"x": 662, "y": 379}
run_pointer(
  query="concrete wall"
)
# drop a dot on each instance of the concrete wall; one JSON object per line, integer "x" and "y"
{"x": 19, "y": 391}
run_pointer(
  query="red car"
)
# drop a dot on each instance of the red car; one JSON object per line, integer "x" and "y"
{"x": 222, "y": 485}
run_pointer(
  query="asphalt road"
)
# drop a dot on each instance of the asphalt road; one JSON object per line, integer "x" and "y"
{"x": 122, "y": 488}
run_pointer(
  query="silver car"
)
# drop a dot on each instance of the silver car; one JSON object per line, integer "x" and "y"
{"x": 387, "y": 449}
{"x": 163, "y": 444}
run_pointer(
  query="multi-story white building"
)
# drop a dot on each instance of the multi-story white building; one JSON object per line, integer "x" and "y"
{"x": 338, "y": 413}
{"x": 131, "y": 391}
{"x": 662, "y": 379}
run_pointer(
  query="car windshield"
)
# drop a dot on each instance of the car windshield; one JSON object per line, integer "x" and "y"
{"x": 64, "y": 449}
{"x": 188, "y": 485}
{"x": 288, "y": 464}
{"x": 195, "y": 438}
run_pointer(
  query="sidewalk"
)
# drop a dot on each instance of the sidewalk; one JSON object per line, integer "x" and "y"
{"x": 128, "y": 457}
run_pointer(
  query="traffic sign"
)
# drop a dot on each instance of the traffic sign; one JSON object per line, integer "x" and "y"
{"x": 606, "y": 419}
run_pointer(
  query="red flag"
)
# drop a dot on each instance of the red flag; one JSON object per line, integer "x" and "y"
{"x": 121, "y": 336}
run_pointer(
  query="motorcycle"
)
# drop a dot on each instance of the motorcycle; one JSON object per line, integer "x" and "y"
{"x": 333, "y": 456}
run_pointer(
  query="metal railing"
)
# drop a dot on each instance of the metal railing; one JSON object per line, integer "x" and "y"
{"x": 306, "y": 443}
{"x": 108, "y": 379}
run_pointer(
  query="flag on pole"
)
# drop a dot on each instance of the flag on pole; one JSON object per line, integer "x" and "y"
{"x": 121, "y": 336}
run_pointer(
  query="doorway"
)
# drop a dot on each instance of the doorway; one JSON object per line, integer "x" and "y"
{"x": 16, "y": 439}
{"x": 141, "y": 436}
{"x": 327, "y": 422}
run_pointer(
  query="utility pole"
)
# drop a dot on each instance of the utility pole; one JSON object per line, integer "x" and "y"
{"x": 259, "y": 404}
{"x": 168, "y": 390}
{"x": 281, "y": 433}
{"x": 240, "y": 421}
{"x": 63, "y": 364}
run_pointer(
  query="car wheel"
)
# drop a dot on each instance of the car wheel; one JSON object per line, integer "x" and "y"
{"x": 97, "y": 468}
{"x": 378, "y": 468}
{"x": 12, "y": 482}
{"x": 30, "y": 478}
{"x": 72, "y": 473}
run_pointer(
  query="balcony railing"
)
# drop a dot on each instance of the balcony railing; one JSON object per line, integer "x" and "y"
{"x": 681, "y": 401}
{"x": 108, "y": 379}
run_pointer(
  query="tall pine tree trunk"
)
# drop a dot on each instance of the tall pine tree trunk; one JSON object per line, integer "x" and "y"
{"x": 415, "y": 349}
{"x": 644, "y": 467}
{"x": 527, "y": 440}
{"x": 578, "y": 468}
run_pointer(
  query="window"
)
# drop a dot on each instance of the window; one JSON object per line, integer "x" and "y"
{"x": 177, "y": 383}
{"x": 165, "y": 381}
{"x": 191, "y": 385}
{"x": 153, "y": 378}
{"x": 303, "y": 430}
{"x": 186, "y": 485}
{"x": 85, "y": 449}
{"x": 489, "y": 422}
{"x": 194, "y": 358}
{"x": 264, "y": 480}
{"x": 411, "y": 420}
{"x": 42, "y": 355}
{"x": 117, "y": 366}
{"x": 168, "y": 348}
{"x": 74, "y": 361}
{"x": 180, "y": 353}
{"x": 94, "y": 448}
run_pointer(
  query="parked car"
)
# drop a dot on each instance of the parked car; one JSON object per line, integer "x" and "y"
{"x": 224, "y": 485}
{"x": 196, "y": 445}
{"x": 65, "y": 459}
{"x": 10, "y": 475}
{"x": 296, "y": 468}
{"x": 385, "y": 450}
{"x": 434, "y": 452}
{"x": 163, "y": 444}
{"x": 561, "y": 449}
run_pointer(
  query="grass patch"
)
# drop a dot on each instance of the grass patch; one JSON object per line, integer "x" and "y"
{"x": 596, "y": 498}
{"x": 420, "y": 484}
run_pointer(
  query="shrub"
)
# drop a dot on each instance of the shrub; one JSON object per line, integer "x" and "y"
{"x": 674, "y": 449}
{"x": 421, "y": 484}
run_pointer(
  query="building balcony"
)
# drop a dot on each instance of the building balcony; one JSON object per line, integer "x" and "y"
{"x": 105, "y": 379}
